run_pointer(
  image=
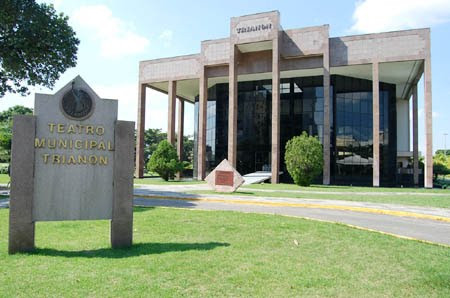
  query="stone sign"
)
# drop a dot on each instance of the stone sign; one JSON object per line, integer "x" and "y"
{"x": 254, "y": 28}
{"x": 81, "y": 162}
{"x": 224, "y": 178}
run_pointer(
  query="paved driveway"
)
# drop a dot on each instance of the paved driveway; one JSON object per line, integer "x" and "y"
{"x": 422, "y": 223}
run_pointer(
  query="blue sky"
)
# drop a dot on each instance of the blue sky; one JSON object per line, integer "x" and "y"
{"x": 115, "y": 35}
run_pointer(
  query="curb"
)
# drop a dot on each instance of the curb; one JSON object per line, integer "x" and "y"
{"x": 304, "y": 205}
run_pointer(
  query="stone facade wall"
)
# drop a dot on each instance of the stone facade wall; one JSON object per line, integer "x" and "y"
{"x": 216, "y": 51}
{"x": 384, "y": 47}
{"x": 177, "y": 68}
{"x": 302, "y": 42}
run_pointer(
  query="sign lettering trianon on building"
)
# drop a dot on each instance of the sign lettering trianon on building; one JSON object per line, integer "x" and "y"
{"x": 254, "y": 28}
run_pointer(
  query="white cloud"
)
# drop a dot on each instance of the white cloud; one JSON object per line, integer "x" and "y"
{"x": 388, "y": 15}
{"x": 166, "y": 37}
{"x": 116, "y": 38}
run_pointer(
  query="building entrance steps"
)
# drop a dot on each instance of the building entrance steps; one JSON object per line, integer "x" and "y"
{"x": 257, "y": 177}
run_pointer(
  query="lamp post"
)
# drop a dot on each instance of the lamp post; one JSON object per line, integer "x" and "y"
{"x": 445, "y": 144}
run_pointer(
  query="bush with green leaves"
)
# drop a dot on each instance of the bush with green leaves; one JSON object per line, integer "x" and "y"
{"x": 4, "y": 168}
{"x": 441, "y": 165}
{"x": 304, "y": 158}
{"x": 6, "y": 123}
{"x": 164, "y": 161}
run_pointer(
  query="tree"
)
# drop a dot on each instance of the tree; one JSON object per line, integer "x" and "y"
{"x": 304, "y": 158}
{"x": 164, "y": 161}
{"x": 36, "y": 45}
{"x": 152, "y": 137}
{"x": 7, "y": 116}
{"x": 188, "y": 149}
{"x": 441, "y": 165}
{"x": 6, "y": 129}
{"x": 442, "y": 151}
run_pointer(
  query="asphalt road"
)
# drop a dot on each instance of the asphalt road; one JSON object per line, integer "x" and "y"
{"x": 436, "y": 231}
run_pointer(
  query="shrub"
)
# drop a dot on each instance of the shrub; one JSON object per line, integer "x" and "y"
{"x": 164, "y": 161}
{"x": 441, "y": 165}
{"x": 304, "y": 158}
{"x": 4, "y": 168}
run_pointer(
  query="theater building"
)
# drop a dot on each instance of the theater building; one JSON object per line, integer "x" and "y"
{"x": 262, "y": 85}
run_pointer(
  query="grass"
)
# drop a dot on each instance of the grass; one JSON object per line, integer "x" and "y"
{"x": 160, "y": 181}
{"x": 345, "y": 188}
{"x": 211, "y": 253}
{"x": 4, "y": 178}
{"x": 402, "y": 199}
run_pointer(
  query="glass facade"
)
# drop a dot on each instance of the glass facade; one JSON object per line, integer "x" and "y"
{"x": 301, "y": 109}
{"x": 352, "y": 157}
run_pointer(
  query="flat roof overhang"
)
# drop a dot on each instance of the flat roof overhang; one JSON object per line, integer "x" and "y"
{"x": 404, "y": 74}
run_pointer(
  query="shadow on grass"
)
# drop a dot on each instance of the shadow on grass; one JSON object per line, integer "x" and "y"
{"x": 242, "y": 192}
{"x": 342, "y": 187}
{"x": 145, "y": 203}
{"x": 139, "y": 249}
{"x": 142, "y": 209}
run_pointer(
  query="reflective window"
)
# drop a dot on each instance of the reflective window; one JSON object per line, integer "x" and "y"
{"x": 302, "y": 109}
{"x": 353, "y": 154}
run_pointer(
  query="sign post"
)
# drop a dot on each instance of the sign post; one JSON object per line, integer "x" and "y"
{"x": 71, "y": 160}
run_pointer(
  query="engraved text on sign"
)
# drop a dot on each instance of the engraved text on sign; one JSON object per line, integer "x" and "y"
{"x": 224, "y": 178}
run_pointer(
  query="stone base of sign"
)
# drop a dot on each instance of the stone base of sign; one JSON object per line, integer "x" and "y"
{"x": 224, "y": 178}
{"x": 21, "y": 224}
{"x": 121, "y": 233}
{"x": 21, "y": 237}
{"x": 122, "y": 213}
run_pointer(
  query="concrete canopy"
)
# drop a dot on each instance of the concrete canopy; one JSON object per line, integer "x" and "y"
{"x": 403, "y": 74}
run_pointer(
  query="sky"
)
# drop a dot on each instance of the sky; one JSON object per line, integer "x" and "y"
{"x": 115, "y": 35}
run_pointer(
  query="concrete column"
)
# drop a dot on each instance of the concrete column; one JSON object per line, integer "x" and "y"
{"x": 376, "y": 124}
{"x": 203, "y": 99}
{"x": 326, "y": 115}
{"x": 122, "y": 213}
{"x": 232, "y": 106}
{"x": 180, "y": 131}
{"x": 275, "y": 112}
{"x": 428, "y": 124}
{"x": 172, "y": 92}
{"x": 140, "y": 132}
{"x": 21, "y": 223}
{"x": 415, "y": 137}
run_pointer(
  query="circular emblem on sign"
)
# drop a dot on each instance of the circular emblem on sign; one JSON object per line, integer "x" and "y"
{"x": 77, "y": 104}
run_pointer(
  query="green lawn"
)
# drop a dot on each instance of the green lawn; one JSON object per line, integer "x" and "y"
{"x": 210, "y": 253}
{"x": 4, "y": 178}
{"x": 344, "y": 188}
{"x": 160, "y": 181}
{"x": 402, "y": 199}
